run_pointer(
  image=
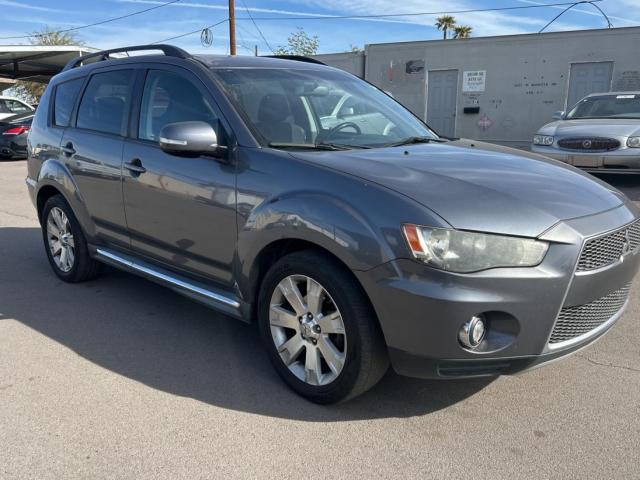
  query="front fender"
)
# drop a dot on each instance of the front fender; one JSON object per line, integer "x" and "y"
{"x": 54, "y": 173}
{"x": 318, "y": 218}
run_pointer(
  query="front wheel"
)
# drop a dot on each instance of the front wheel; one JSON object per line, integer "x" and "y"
{"x": 319, "y": 328}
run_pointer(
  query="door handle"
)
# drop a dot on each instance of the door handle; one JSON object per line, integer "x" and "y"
{"x": 135, "y": 167}
{"x": 68, "y": 149}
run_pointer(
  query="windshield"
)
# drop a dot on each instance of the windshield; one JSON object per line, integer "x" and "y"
{"x": 316, "y": 107}
{"x": 607, "y": 106}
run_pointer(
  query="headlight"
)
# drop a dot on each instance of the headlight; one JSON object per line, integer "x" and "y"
{"x": 633, "y": 142}
{"x": 464, "y": 252}
{"x": 543, "y": 140}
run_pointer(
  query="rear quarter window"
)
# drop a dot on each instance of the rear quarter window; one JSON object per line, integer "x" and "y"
{"x": 64, "y": 100}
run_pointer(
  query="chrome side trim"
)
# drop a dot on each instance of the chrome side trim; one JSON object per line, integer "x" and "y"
{"x": 168, "y": 279}
{"x": 590, "y": 333}
{"x": 30, "y": 182}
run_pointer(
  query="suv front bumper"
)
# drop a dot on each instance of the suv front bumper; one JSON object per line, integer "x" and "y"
{"x": 421, "y": 309}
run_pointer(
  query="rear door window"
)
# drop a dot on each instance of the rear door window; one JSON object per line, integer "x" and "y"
{"x": 65, "y": 99}
{"x": 104, "y": 105}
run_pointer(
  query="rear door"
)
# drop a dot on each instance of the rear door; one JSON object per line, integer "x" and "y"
{"x": 93, "y": 147}
{"x": 181, "y": 211}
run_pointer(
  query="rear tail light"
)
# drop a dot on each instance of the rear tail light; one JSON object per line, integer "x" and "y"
{"x": 16, "y": 130}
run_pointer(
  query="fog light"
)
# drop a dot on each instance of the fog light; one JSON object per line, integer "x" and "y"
{"x": 472, "y": 333}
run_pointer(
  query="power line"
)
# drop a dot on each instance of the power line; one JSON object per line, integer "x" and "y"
{"x": 414, "y": 14}
{"x": 582, "y": 2}
{"x": 72, "y": 29}
{"x": 242, "y": 42}
{"x": 189, "y": 33}
{"x": 257, "y": 28}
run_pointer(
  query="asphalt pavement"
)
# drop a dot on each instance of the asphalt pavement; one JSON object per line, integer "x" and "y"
{"x": 122, "y": 378}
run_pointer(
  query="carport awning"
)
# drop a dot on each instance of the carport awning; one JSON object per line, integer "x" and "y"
{"x": 36, "y": 63}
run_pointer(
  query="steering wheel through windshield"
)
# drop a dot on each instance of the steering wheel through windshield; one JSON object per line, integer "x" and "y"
{"x": 340, "y": 127}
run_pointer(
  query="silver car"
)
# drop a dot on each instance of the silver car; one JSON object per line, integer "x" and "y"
{"x": 601, "y": 132}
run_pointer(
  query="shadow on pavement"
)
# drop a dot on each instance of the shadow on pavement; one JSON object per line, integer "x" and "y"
{"x": 151, "y": 335}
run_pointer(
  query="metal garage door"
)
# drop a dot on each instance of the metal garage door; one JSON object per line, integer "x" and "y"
{"x": 442, "y": 89}
{"x": 586, "y": 78}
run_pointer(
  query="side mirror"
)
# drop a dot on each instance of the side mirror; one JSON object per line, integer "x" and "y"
{"x": 559, "y": 115}
{"x": 190, "y": 138}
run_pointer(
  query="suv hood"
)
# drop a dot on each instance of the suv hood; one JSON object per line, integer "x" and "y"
{"x": 477, "y": 186}
{"x": 597, "y": 127}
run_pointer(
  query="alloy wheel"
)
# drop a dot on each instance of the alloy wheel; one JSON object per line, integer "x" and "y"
{"x": 60, "y": 238}
{"x": 307, "y": 330}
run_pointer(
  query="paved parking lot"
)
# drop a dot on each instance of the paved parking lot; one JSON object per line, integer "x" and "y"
{"x": 121, "y": 378}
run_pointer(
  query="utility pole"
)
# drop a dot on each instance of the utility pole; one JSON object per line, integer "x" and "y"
{"x": 232, "y": 27}
{"x": 255, "y": 50}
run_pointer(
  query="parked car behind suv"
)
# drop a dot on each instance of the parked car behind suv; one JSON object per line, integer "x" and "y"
{"x": 13, "y": 135}
{"x": 10, "y": 106}
{"x": 349, "y": 247}
{"x": 600, "y": 133}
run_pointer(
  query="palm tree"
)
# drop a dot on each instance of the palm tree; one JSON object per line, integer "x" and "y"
{"x": 462, "y": 31}
{"x": 444, "y": 23}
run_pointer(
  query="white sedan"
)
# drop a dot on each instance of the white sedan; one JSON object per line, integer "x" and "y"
{"x": 10, "y": 106}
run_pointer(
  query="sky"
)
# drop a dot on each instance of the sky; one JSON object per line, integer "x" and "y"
{"x": 276, "y": 19}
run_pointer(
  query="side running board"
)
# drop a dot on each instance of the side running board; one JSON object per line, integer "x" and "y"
{"x": 211, "y": 297}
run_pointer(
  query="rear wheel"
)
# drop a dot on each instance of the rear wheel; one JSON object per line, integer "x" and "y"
{"x": 65, "y": 242}
{"x": 319, "y": 328}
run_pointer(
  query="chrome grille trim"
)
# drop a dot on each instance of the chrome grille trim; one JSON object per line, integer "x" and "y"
{"x": 607, "y": 249}
{"x": 575, "y": 323}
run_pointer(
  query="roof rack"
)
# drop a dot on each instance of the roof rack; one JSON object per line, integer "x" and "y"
{"x": 168, "y": 50}
{"x": 297, "y": 58}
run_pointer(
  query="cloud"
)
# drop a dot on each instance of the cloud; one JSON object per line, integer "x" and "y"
{"x": 27, "y": 6}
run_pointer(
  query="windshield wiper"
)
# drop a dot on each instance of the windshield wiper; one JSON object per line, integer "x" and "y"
{"x": 314, "y": 146}
{"x": 412, "y": 140}
{"x": 342, "y": 146}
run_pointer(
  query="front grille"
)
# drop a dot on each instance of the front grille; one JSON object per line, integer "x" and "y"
{"x": 589, "y": 144}
{"x": 607, "y": 249}
{"x": 575, "y": 321}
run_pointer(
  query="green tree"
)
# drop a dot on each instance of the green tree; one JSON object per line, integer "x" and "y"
{"x": 299, "y": 43}
{"x": 462, "y": 31}
{"x": 445, "y": 23}
{"x": 32, "y": 91}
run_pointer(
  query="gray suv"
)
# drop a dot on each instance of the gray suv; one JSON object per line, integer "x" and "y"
{"x": 351, "y": 243}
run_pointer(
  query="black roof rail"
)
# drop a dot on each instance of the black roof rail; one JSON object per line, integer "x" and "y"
{"x": 297, "y": 58}
{"x": 168, "y": 50}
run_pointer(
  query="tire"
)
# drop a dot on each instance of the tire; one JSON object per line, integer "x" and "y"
{"x": 59, "y": 222}
{"x": 350, "y": 363}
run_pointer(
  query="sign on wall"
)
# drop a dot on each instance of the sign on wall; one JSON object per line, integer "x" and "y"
{"x": 473, "y": 81}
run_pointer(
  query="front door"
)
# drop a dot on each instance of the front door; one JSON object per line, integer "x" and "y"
{"x": 587, "y": 78}
{"x": 181, "y": 211}
{"x": 442, "y": 89}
